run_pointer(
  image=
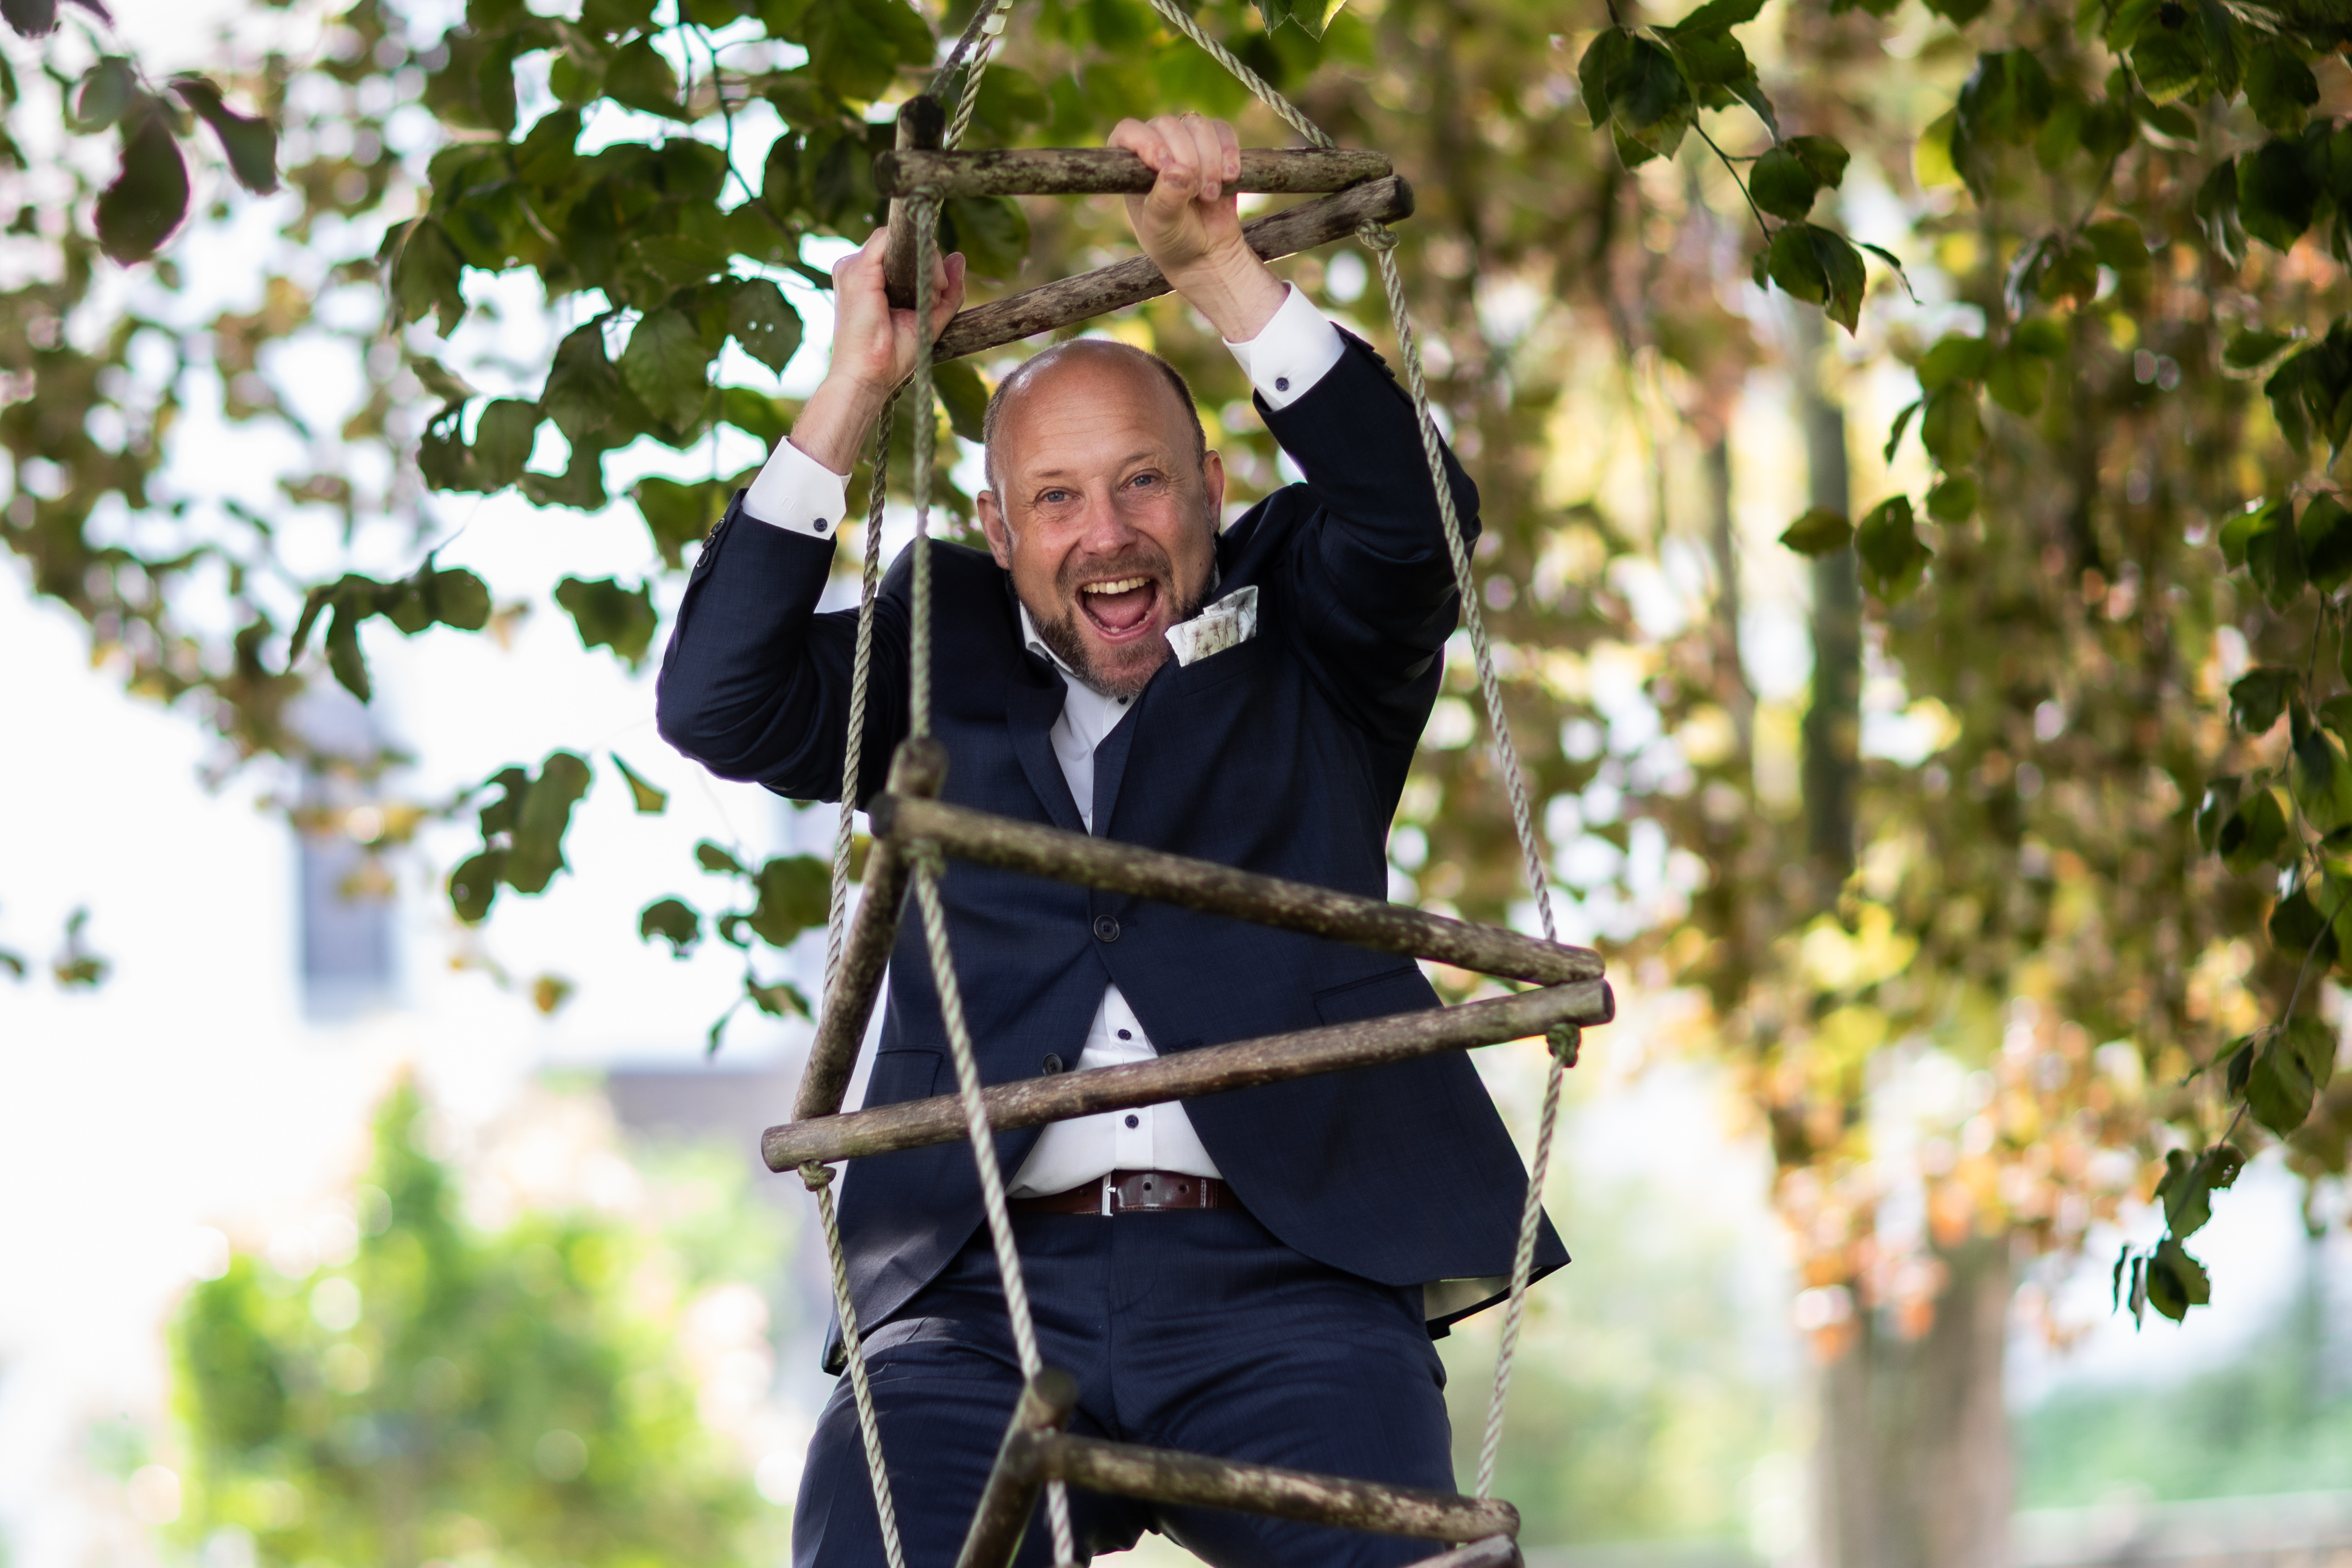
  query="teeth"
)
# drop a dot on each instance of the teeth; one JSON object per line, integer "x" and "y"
{"x": 1124, "y": 586}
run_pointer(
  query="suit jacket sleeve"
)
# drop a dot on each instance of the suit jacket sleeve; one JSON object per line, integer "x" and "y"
{"x": 1371, "y": 590}
{"x": 755, "y": 684}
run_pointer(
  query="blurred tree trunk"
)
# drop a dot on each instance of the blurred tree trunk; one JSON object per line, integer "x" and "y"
{"x": 1833, "y": 733}
{"x": 1912, "y": 1470}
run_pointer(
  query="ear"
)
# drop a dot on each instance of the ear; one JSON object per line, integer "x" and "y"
{"x": 1213, "y": 487}
{"x": 991, "y": 523}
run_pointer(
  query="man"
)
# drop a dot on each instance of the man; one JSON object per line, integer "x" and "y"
{"x": 1258, "y": 1274}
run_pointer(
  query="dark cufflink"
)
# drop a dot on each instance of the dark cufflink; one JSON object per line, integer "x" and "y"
{"x": 1282, "y": 383}
{"x": 821, "y": 525}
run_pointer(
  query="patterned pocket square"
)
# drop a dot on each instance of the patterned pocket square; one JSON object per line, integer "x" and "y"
{"x": 1228, "y": 623}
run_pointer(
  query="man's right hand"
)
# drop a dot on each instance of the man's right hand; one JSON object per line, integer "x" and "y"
{"x": 874, "y": 349}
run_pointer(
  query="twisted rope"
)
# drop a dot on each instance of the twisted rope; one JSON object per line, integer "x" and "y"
{"x": 837, "y": 923}
{"x": 992, "y": 28}
{"x": 820, "y": 1182}
{"x": 1261, "y": 88}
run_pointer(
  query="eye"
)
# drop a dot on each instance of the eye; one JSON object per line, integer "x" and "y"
{"x": 1054, "y": 497}
{"x": 1146, "y": 479}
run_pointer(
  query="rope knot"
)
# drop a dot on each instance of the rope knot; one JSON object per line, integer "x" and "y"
{"x": 1377, "y": 236}
{"x": 815, "y": 1176}
{"x": 1564, "y": 1040}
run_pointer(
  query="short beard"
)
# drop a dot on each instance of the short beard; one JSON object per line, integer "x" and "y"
{"x": 1069, "y": 644}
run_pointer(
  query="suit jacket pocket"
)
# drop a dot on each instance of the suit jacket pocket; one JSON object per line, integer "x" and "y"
{"x": 1206, "y": 674}
{"x": 904, "y": 1074}
{"x": 1402, "y": 990}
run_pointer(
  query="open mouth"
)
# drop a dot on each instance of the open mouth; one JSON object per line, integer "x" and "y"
{"x": 1119, "y": 607}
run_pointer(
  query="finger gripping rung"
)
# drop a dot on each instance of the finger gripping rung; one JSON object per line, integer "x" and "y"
{"x": 1187, "y": 1075}
{"x": 1211, "y": 889}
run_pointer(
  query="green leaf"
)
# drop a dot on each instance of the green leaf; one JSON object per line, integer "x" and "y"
{"x": 1889, "y": 551}
{"x": 2068, "y": 272}
{"x": 540, "y": 821}
{"x": 2221, "y": 799}
{"x": 855, "y": 47}
{"x": 2118, "y": 244}
{"x": 2220, "y": 33}
{"x": 649, "y": 801}
{"x": 474, "y": 883}
{"x": 674, "y": 920}
{"x": 2296, "y": 927}
{"x": 1650, "y": 100}
{"x": 711, "y": 857}
{"x": 1954, "y": 500}
{"x": 1903, "y": 418}
{"x": 2284, "y": 1075}
{"x": 250, "y": 143}
{"x": 32, "y": 18}
{"x": 2280, "y": 87}
{"x": 2252, "y": 348}
{"x": 502, "y": 441}
{"x": 455, "y": 597}
{"x": 150, "y": 193}
{"x": 1717, "y": 13}
{"x": 1950, "y": 428}
{"x": 2324, "y": 535}
{"x": 2259, "y": 697}
{"x": 2188, "y": 1184}
{"x": 610, "y": 616}
{"x": 2018, "y": 380}
{"x": 107, "y": 91}
{"x": 1818, "y": 533}
{"x": 2255, "y": 833}
{"x": 1820, "y": 267}
{"x": 1959, "y": 13}
{"x": 2323, "y": 778}
{"x": 2275, "y": 554}
{"x": 1824, "y": 158}
{"x": 2176, "y": 1281}
{"x": 991, "y": 232}
{"x": 674, "y": 260}
{"x": 2168, "y": 60}
{"x": 344, "y": 655}
{"x": 963, "y": 394}
{"x": 426, "y": 267}
{"x": 1932, "y": 162}
{"x": 678, "y": 515}
{"x": 783, "y": 999}
{"x": 582, "y": 386}
{"x": 2007, "y": 97}
{"x": 796, "y": 895}
{"x": 1710, "y": 58}
{"x": 2276, "y": 197}
{"x": 1782, "y": 185}
{"x": 759, "y": 317}
{"x": 1603, "y": 62}
{"x": 2216, "y": 209}
{"x": 667, "y": 365}
{"x": 639, "y": 78}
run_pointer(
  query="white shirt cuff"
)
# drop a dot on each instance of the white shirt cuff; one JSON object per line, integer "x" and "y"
{"x": 795, "y": 492}
{"x": 1291, "y": 352}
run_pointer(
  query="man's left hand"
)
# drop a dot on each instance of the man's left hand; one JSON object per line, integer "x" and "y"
{"x": 1189, "y": 223}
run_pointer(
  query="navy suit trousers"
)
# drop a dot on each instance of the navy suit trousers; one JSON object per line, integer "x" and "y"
{"x": 1195, "y": 1331}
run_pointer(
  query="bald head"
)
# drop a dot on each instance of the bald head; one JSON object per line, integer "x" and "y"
{"x": 1033, "y": 384}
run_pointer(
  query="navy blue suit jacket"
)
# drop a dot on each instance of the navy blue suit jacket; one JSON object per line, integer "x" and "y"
{"x": 1284, "y": 755}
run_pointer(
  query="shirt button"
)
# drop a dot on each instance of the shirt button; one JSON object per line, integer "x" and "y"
{"x": 1135, "y": 1121}
{"x": 1053, "y": 1063}
{"x": 1124, "y": 1035}
{"x": 1282, "y": 383}
{"x": 1106, "y": 929}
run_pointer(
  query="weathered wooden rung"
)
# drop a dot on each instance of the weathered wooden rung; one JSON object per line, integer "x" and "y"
{"x": 1110, "y": 171}
{"x": 1186, "y": 1074}
{"x": 1215, "y": 890}
{"x": 921, "y": 124}
{"x": 919, "y": 768}
{"x": 1130, "y": 282}
{"x": 1198, "y": 1480}
{"x": 1495, "y": 1551}
{"x": 1036, "y": 1449}
{"x": 1047, "y": 1402}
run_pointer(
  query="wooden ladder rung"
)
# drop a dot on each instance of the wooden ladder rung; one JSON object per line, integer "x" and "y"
{"x": 1036, "y": 1449}
{"x": 1186, "y": 1074}
{"x": 1211, "y": 889}
{"x": 1130, "y": 282}
{"x": 1110, "y": 171}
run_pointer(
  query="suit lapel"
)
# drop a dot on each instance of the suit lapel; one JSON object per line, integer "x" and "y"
{"x": 1110, "y": 762}
{"x": 1030, "y": 710}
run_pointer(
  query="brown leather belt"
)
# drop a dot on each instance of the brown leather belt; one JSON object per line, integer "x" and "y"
{"x": 1134, "y": 1192}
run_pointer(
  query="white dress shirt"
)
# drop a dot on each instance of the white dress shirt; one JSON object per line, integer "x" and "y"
{"x": 795, "y": 492}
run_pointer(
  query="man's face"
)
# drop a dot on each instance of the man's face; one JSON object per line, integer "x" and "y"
{"x": 1101, "y": 514}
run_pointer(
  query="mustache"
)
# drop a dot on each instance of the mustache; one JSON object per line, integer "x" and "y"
{"x": 1142, "y": 559}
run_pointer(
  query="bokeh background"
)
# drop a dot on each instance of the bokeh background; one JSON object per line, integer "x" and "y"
{"x": 336, "y": 1230}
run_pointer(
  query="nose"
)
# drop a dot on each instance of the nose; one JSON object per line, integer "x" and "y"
{"x": 1104, "y": 529}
